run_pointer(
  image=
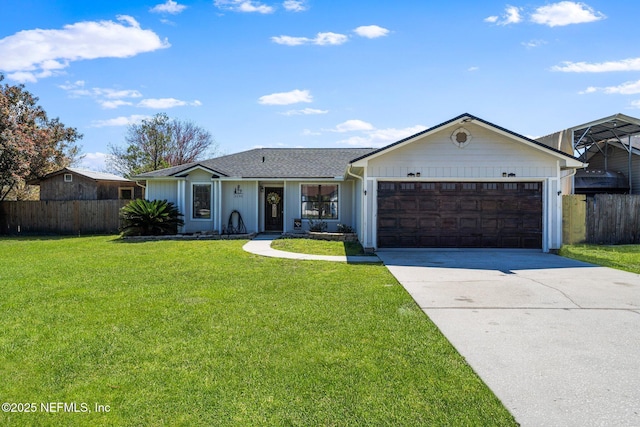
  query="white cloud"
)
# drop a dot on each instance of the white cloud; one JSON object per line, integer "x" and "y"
{"x": 116, "y": 94}
{"x": 164, "y": 103}
{"x": 635, "y": 104}
{"x": 631, "y": 64}
{"x": 169, "y": 6}
{"x": 304, "y": 112}
{"x": 321, "y": 39}
{"x": 533, "y": 43}
{"x": 110, "y": 105}
{"x": 246, "y": 6}
{"x": 32, "y": 54}
{"x": 565, "y": 13}
{"x": 371, "y": 31}
{"x": 627, "y": 88}
{"x": 294, "y": 6}
{"x": 309, "y": 132}
{"x": 119, "y": 121}
{"x": 382, "y": 137}
{"x": 286, "y": 98}
{"x": 94, "y": 161}
{"x": 352, "y": 126}
{"x": 472, "y": 69}
{"x": 511, "y": 15}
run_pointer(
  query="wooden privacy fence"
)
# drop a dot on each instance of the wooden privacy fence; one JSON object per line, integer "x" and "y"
{"x": 60, "y": 217}
{"x": 610, "y": 219}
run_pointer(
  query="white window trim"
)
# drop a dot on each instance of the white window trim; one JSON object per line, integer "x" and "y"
{"x": 317, "y": 219}
{"x": 68, "y": 177}
{"x": 211, "y": 203}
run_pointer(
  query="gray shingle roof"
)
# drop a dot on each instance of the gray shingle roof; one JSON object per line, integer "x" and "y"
{"x": 274, "y": 163}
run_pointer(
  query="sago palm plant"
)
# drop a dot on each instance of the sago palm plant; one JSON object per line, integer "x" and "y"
{"x": 149, "y": 218}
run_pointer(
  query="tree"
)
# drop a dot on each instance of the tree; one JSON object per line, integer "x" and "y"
{"x": 31, "y": 144}
{"x": 160, "y": 142}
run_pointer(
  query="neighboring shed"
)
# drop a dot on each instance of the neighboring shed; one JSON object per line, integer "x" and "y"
{"x": 79, "y": 184}
{"x": 610, "y": 146}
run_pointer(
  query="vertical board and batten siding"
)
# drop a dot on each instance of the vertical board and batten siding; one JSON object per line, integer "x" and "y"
{"x": 618, "y": 161}
{"x": 61, "y": 217}
{"x": 244, "y": 202}
{"x": 163, "y": 190}
{"x": 488, "y": 155}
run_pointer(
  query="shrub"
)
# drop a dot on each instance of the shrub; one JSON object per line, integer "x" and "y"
{"x": 149, "y": 218}
{"x": 345, "y": 229}
{"x": 317, "y": 225}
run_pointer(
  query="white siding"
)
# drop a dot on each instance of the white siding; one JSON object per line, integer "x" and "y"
{"x": 162, "y": 190}
{"x": 241, "y": 196}
{"x": 487, "y": 156}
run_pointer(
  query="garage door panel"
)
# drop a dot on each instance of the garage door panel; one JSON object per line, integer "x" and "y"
{"x": 460, "y": 215}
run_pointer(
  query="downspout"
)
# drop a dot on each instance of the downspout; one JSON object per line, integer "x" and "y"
{"x": 362, "y": 203}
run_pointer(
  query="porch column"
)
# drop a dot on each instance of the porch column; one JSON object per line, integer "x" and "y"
{"x": 180, "y": 200}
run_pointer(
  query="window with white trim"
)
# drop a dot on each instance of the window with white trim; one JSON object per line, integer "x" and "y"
{"x": 319, "y": 201}
{"x": 201, "y": 201}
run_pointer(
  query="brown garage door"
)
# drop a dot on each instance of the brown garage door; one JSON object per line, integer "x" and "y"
{"x": 460, "y": 214}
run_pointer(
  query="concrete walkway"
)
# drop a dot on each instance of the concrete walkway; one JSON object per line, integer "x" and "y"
{"x": 261, "y": 245}
{"x": 558, "y": 341}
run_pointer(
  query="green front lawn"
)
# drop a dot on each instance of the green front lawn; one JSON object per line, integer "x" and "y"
{"x": 623, "y": 257}
{"x": 319, "y": 247}
{"x": 202, "y": 333}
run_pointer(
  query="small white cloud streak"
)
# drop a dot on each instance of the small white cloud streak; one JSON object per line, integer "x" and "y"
{"x": 565, "y": 13}
{"x": 169, "y": 6}
{"x": 631, "y": 64}
{"x": 286, "y": 98}
{"x": 382, "y": 137}
{"x": 294, "y": 6}
{"x": 119, "y": 121}
{"x": 30, "y": 55}
{"x": 371, "y": 31}
{"x": 627, "y": 88}
{"x": 353, "y": 126}
{"x": 164, "y": 103}
{"x": 244, "y": 6}
{"x": 321, "y": 39}
{"x": 511, "y": 15}
{"x": 304, "y": 112}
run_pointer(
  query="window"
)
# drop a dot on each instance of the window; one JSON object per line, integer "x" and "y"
{"x": 386, "y": 186}
{"x": 320, "y": 201}
{"x": 407, "y": 186}
{"x": 68, "y": 177}
{"x": 201, "y": 201}
{"x": 125, "y": 193}
{"x": 448, "y": 186}
{"x": 511, "y": 186}
{"x": 469, "y": 186}
{"x": 490, "y": 186}
{"x": 531, "y": 186}
{"x": 428, "y": 186}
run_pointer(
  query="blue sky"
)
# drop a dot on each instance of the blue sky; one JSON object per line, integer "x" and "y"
{"x": 320, "y": 73}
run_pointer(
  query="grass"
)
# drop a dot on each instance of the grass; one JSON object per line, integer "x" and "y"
{"x": 623, "y": 257}
{"x": 319, "y": 247}
{"x": 189, "y": 333}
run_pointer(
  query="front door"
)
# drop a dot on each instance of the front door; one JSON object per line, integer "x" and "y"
{"x": 273, "y": 209}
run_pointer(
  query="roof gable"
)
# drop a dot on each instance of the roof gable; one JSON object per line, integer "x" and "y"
{"x": 460, "y": 121}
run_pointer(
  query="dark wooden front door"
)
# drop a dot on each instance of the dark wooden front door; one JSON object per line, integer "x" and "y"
{"x": 460, "y": 214}
{"x": 273, "y": 208}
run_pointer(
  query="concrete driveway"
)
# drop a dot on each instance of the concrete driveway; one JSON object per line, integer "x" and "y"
{"x": 558, "y": 341}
